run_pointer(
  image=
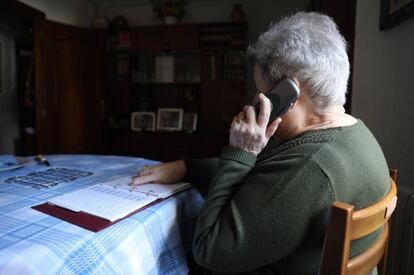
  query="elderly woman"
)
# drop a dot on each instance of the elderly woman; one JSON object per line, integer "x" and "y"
{"x": 270, "y": 190}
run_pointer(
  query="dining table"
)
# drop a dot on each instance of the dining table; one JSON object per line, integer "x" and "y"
{"x": 155, "y": 240}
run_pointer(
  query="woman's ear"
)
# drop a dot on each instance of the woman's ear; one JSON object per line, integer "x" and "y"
{"x": 299, "y": 86}
{"x": 301, "y": 95}
{"x": 296, "y": 81}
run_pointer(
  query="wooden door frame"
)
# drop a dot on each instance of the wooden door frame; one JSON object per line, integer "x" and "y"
{"x": 47, "y": 36}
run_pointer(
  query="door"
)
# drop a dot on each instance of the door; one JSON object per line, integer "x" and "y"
{"x": 343, "y": 13}
{"x": 68, "y": 87}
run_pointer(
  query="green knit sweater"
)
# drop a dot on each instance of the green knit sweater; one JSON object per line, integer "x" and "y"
{"x": 268, "y": 215}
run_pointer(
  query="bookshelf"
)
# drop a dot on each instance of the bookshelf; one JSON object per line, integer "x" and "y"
{"x": 196, "y": 68}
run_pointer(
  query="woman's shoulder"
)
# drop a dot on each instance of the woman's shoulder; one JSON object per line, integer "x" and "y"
{"x": 303, "y": 146}
{"x": 335, "y": 146}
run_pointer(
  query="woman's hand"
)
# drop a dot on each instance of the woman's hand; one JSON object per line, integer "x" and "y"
{"x": 250, "y": 135}
{"x": 165, "y": 173}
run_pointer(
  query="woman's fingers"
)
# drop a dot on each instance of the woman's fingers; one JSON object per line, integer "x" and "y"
{"x": 165, "y": 173}
{"x": 250, "y": 115}
{"x": 144, "y": 170}
{"x": 235, "y": 121}
{"x": 143, "y": 179}
{"x": 146, "y": 175}
{"x": 271, "y": 129}
{"x": 250, "y": 135}
{"x": 265, "y": 109}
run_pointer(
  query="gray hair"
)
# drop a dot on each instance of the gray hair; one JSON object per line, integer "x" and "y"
{"x": 307, "y": 46}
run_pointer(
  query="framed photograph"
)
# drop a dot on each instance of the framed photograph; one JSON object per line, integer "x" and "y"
{"x": 169, "y": 119}
{"x": 394, "y": 12}
{"x": 189, "y": 122}
{"x": 143, "y": 121}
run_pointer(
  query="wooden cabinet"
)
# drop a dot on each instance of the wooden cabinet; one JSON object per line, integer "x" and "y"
{"x": 87, "y": 87}
{"x": 207, "y": 78}
{"x": 160, "y": 38}
{"x": 220, "y": 101}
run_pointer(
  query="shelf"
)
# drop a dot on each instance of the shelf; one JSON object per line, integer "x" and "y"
{"x": 204, "y": 70}
{"x": 204, "y": 81}
{"x": 240, "y": 48}
{"x": 136, "y": 52}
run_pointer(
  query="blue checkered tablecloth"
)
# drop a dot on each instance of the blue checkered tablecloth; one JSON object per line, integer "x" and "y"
{"x": 153, "y": 241}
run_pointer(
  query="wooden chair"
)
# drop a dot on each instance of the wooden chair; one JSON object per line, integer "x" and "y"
{"x": 347, "y": 225}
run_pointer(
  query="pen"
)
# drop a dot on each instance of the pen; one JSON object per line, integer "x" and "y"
{"x": 42, "y": 160}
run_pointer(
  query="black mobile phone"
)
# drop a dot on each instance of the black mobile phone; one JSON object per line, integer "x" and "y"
{"x": 282, "y": 96}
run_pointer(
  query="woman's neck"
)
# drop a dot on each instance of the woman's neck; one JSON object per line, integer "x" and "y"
{"x": 320, "y": 119}
{"x": 302, "y": 121}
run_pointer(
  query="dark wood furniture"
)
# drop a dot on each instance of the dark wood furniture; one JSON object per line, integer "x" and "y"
{"x": 209, "y": 79}
{"x": 85, "y": 86}
{"x": 68, "y": 88}
{"x": 59, "y": 81}
{"x": 88, "y": 84}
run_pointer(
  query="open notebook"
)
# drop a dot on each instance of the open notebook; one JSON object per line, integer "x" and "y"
{"x": 114, "y": 200}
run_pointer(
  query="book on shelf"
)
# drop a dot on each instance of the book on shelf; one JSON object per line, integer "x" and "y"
{"x": 229, "y": 65}
{"x": 164, "y": 69}
{"x": 106, "y": 203}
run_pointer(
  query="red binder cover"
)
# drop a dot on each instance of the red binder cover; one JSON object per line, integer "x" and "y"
{"x": 82, "y": 219}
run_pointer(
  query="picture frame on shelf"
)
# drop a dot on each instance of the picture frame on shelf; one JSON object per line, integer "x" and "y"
{"x": 143, "y": 121}
{"x": 394, "y": 12}
{"x": 169, "y": 119}
{"x": 189, "y": 124}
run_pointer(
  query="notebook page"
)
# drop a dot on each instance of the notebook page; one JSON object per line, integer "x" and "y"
{"x": 162, "y": 190}
{"x": 103, "y": 201}
{"x": 153, "y": 189}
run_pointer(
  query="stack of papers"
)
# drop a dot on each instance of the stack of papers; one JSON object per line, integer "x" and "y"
{"x": 113, "y": 200}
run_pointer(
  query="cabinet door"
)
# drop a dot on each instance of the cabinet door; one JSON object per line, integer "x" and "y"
{"x": 67, "y": 89}
{"x": 182, "y": 37}
{"x": 220, "y": 102}
{"x": 161, "y": 38}
{"x": 150, "y": 38}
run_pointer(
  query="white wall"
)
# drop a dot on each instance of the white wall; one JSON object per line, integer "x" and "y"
{"x": 72, "y": 12}
{"x": 383, "y": 90}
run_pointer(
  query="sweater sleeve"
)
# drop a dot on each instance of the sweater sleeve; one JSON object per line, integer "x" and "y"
{"x": 200, "y": 172}
{"x": 254, "y": 216}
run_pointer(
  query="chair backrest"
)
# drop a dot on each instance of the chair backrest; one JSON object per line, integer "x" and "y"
{"x": 347, "y": 225}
